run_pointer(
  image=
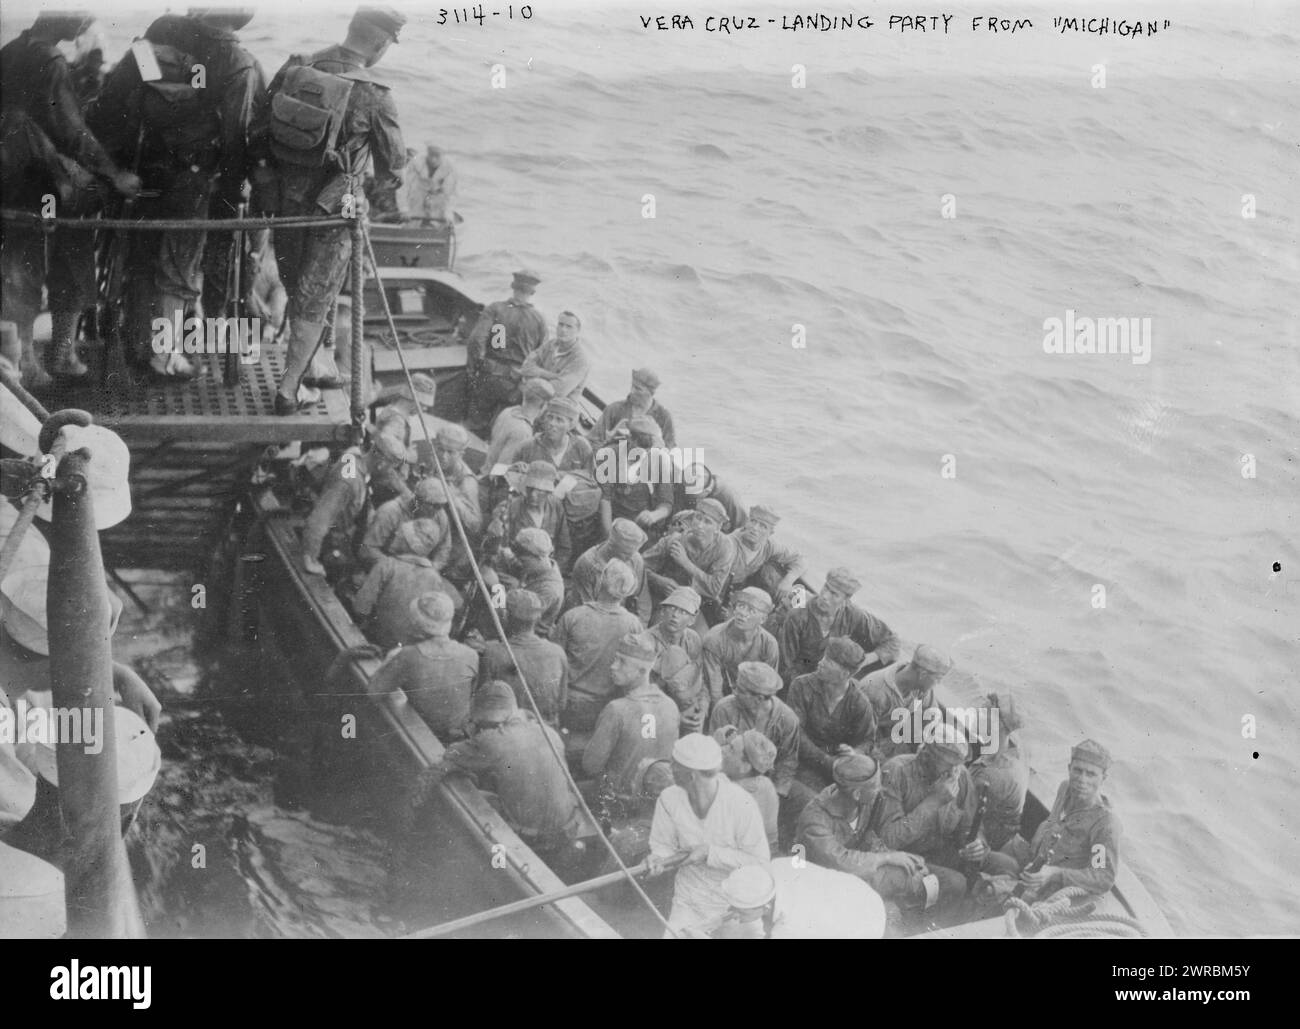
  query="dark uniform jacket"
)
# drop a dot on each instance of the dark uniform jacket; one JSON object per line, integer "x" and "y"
{"x": 836, "y": 833}
{"x": 525, "y": 331}
{"x": 912, "y": 819}
{"x": 1067, "y": 840}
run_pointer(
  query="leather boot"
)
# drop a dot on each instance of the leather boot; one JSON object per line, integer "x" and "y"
{"x": 64, "y": 361}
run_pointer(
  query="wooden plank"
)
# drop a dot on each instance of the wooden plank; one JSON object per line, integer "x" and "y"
{"x": 387, "y": 361}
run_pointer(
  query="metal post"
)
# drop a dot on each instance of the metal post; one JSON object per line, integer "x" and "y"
{"x": 97, "y": 883}
{"x": 358, "y": 340}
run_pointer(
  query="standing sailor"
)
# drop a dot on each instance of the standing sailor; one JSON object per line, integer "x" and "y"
{"x": 188, "y": 132}
{"x": 49, "y": 151}
{"x": 505, "y": 336}
{"x": 327, "y": 117}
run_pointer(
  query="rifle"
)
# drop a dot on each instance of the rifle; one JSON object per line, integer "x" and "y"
{"x": 112, "y": 276}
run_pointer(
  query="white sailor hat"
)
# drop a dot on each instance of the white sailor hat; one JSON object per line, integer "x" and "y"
{"x": 138, "y": 756}
{"x": 108, "y": 472}
{"x": 23, "y": 611}
{"x": 32, "y": 551}
{"x": 698, "y": 752}
{"x": 748, "y": 887}
{"x": 31, "y": 897}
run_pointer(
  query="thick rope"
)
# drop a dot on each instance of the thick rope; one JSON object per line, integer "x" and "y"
{"x": 426, "y": 781}
{"x": 305, "y": 221}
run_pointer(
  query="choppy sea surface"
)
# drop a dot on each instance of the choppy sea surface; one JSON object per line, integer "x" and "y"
{"x": 1172, "y": 484}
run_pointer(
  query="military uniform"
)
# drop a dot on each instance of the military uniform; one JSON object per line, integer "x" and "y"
{"x": 803, "y": 642}
{"x": 189, "y": 146}
{"x": 913, "y": 819}
{"x": 1067, "y": 840}
{"x": 387, "y": 592}
{"x": 724, "y": 650}
{"x": 823, "y": 729}
{"x": 780, "y": 725}
{"x": 545, "y": 667}
{"x": 437, "y": 676}
{"x": 495, "y": 370}
{"x": 618, "y": 410}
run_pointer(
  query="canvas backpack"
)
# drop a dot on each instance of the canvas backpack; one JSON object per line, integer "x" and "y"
{"x": 307, "y": 116}
{"x": 183, "y": 117}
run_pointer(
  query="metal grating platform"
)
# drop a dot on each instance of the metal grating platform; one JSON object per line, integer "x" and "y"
{"x": 202, "y": 409}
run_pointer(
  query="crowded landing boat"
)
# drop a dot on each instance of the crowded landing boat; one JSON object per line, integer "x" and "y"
{"x": 584, "y": 653}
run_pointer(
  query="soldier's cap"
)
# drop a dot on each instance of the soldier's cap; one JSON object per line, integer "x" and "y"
{"x": 644, "y": 425}
{"x": 758, "y": 677}
{"x": 627, "y": 532}
{"x": 391, "y": 447}
{"x": 759, "y": 513}
{"x": 431, "y": 609}
{"x": 645, "y": 377}
{"x": 755, "y": 597}
{"x": 1090, "y": 752}
{"x": 1009, "y": 719}
{"x": 636, "y": 646}
{"x": 540, "y": 388}
{"x": 749, "y": 887}
{"x": 617, "y": 578}
{"x": 562, "y": 405}
{"x": 523, "y": 605}
{"x": 532, "y": 540}
{"x": 526, "y": 280}
{"x": 853, "y": 771}
{"x": 387, "y": 19}
{"x": 685, "y": 598}
{"x": 845, "y": 653}
{"x": 760, "y": 752}
{"x": 493, "y": 702}
{"x": 70, "y": 24}
{"x": 931, "y": 659}
{"x": 23, "y": 611}
{"x": 843, "y": 581}
{"x": 233, "y": 17}
{"x": 653, "y": 775}
{"x": 430, "y": 491}
{"x": 540, "y": 475}
{"x": 698, "y": 752}
{"x": 426, "y": 389}
{"x": 949, "y": 743}
{"x": 712, "y": 509}
{"x": 138, "y": 756}
{"x": 452, "y": 437}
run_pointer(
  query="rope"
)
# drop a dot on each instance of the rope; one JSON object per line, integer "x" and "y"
{"x": 425, "y": 781}
{"x": 1096, "y": 927}
{"x": 305, "y": 221}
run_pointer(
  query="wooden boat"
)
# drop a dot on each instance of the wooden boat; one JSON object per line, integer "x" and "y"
{"x": 299, "y": 616}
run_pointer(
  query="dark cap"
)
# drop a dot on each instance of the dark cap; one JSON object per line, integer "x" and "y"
{"x": 387, "y": 19}
{"x": 529, "y": 280}
{"x": 231, "y": 17}
{"x": 855, "y": 770}
{"x": 69, "y": 24}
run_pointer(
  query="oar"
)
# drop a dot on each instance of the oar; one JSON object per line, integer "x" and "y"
{"x": 539, "y": 900}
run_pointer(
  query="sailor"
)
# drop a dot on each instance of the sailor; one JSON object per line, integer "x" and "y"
{"x": 640, "y": 400}
{"x": 625, "y": 541}
{"x": 747, "y": 759}
{"x": 697, "y": 483}
{"x": 383, "y": 601}
{"x": 340, "y": 511}
{"x": 49, "y": 151}
{"x": 533, "y": 568}
{"x": 315, "y": 175}
{"x": 707, "y": 815}
{"x": 1001, "y": 773}
{"x": 563, "y": 360}
{"x": 805, "y": 630}
{"x": 429, "y": 187}
{"x": 188, "y": 134}
{"x": 508, "y": 754}
{"x": 795, "y": 900}
{"x": 436, "y": 673}
{"x": 537, "y": 507}
{"x": 418, "y": 526}
{"x": 835, "y": 716}
{"x": 895, "y": 692}
{"x": 544, "y": 664}
{"x": 840, "y": 829}
{"x": 640, "y": 489}
{"x": 740, "y": 638}
{"x": 590, "y": 634}
{"x": 754, "y": 705}
{"x": 760, "y": 560}
{"x": 701, "y": 558}
{"x": 555, "y": 441}
{"x": 679, "y": 667}
{"x": 1078, "y": 843}
{"x": 930, "y": 803}
{"x": 514, "y": 426}
{"x": 640, "y": 724}
{"x": 506, "y": 334}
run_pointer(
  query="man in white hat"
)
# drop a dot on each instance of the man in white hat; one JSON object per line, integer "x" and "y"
{"x": 797, "y": 900}
{"x": 717, "y": 822}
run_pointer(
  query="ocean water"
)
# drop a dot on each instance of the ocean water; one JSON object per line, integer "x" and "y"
{"x": 1173, "y": 484}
